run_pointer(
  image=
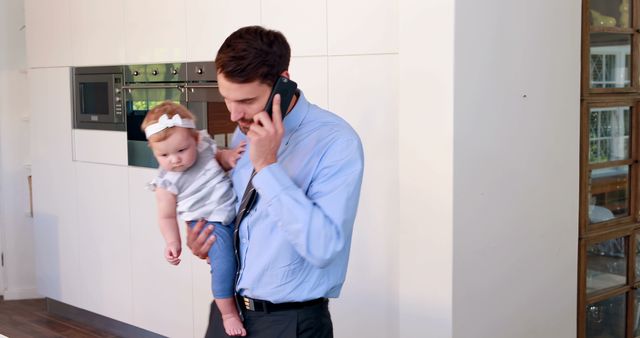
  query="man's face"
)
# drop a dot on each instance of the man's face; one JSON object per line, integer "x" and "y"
{"x": 244, "y": 100}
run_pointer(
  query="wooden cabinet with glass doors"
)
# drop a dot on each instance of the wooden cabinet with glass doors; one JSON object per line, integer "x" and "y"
{"x": 609, "y": 221}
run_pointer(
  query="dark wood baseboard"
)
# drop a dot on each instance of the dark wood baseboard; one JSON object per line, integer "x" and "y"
{"x": 101, "y": 322}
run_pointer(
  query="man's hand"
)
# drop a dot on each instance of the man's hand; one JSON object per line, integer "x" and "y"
{"x": 199, "y": 240}
{"x": 265, "y": 136}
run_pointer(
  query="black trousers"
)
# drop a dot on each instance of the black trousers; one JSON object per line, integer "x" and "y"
{"x": 309, "y": 322}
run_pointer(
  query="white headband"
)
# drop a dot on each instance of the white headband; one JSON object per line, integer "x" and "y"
{"x": 165, "y": 122}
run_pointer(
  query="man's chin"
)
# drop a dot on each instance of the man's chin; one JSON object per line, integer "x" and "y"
{"x": 244, "y": 130}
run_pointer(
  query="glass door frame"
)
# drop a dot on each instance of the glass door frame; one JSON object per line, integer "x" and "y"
{"x": 627, "y": 226}
{"x": 633, "y": 31}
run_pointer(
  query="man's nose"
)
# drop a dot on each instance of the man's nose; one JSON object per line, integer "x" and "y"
{"x": 236, "y": 113}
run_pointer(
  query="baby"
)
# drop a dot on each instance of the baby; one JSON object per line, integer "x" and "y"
{"x": 193, "y": 184}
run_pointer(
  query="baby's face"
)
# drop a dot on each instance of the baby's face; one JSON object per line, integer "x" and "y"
{"x": 178, "y": 152}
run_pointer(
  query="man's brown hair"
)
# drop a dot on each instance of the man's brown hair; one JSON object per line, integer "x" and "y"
{"x": 253, "y": 53}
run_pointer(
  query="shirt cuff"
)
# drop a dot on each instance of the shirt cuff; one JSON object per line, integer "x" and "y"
{"x": 271, "y": 181}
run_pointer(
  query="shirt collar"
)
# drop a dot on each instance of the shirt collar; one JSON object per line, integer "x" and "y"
{"x": 295, "y": 117}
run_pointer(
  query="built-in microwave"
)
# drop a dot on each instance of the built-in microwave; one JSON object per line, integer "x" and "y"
{"x": 98, "y": 98}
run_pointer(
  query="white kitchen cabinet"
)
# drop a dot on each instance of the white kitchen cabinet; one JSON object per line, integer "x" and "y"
{"x": 48, "y": 33}
{"x": 100, "y": 146}
{"x": 210, "y": 22}
{"x": 311, "y": 74}
{"x": 97, "y": 32}
{"x": 202, "y": 295}
{"x": 155, "y": 31}
{"x": 353, "y": 82}
{"x": 54, "y": 185}
{"x": 362, "y": 27}
{"x": 304, "y": 23}
{"x": 162, "y": 293}
{"x": 104, "y": 240}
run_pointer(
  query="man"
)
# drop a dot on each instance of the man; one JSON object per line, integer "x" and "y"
{"x": 294, "y": 243}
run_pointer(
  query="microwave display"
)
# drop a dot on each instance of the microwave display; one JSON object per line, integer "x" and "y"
{"x": 94, "y": 98}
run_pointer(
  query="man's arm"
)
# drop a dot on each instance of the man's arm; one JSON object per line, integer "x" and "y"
{"x": 318, "y": 222}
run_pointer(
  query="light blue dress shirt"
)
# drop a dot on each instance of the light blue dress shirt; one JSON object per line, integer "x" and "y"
{"x": 295, "y": 242}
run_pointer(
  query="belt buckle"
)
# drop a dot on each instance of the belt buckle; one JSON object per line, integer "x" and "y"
{"x": 249, "y": 304}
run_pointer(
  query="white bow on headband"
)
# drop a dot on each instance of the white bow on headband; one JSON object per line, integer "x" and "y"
{"x": 165, "y": 122}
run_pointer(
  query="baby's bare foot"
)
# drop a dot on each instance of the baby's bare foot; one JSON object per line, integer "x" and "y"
{"x": 233, "y": 325}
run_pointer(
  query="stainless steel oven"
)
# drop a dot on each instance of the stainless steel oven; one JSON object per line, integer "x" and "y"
{"x": 190, "y": 84}
{"x": 98, "y": 98}
{"x": 204, "y": 100}
{"x": 145, "y": 87}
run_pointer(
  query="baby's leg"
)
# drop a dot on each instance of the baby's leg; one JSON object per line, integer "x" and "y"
{"x": 230, "y": 318}
{"x": 223, "y": 274}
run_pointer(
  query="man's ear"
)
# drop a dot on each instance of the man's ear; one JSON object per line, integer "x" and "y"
{"x": 285, "y": 73}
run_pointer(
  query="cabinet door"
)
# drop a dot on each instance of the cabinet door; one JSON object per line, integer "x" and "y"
{"x": 304, "y": 23}
{"x": 202, "y": 296}
{"x": 378, "y": 18}
{"x": 609, "y": 164}
{"x": 100, "y": 146}
{"x": 48, "y": 33}
{"x": 353, "y": 79}
{"x": 162, "y": 293}
{"x": 54, "y": 185}
{"x": 154, "y": 31}
{"x": 210, "y": 22}
{"x": 104, "y": 240}
{"x": 97, "y": 32}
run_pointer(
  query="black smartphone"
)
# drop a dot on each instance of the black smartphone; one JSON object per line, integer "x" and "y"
{"x": 286, "y": 88}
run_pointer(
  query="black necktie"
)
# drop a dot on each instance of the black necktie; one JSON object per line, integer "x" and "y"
{"x": 248, "y": 201}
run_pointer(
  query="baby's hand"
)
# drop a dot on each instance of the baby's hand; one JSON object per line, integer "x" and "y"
{"x": 229, "y": 157}
{"x": 172, "y": 252}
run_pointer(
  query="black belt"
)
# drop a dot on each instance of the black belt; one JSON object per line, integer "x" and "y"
{"x": 266, "y": 306}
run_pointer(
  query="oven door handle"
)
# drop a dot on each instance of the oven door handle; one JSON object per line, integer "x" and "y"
{"x": 204, "y": 86}
{"x": 154, "y": 86}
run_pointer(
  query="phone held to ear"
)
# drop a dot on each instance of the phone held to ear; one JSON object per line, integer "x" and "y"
{"x": 286, "y": 88}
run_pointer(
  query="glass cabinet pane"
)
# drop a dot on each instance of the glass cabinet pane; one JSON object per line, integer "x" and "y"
{"x": 610, "y": 13}
{"x": 636, "y": 315}
{"x": 607, "y": 318}
{"x": 610, "y": 60}
{"x": 608, "y": 134}
{"x": 637, "y": 272}
{"x": 606, "y": 264}
{"x": 608, "y": 193}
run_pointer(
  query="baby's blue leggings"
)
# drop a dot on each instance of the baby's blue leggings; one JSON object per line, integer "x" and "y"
{"x": 223, "y": 260}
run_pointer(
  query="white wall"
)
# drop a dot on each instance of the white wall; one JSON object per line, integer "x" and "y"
{"x": 425, "y": 155}
{"x": 516, "y": 165}
{"x": 15, "y": 224}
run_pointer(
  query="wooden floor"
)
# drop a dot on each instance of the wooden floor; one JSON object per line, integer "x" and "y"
{"x": 29, "y": 318}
